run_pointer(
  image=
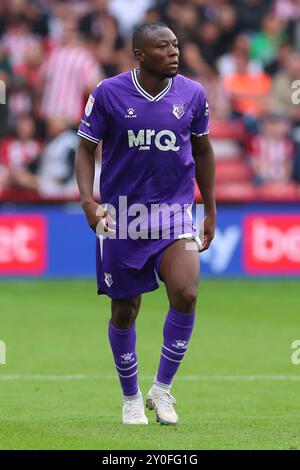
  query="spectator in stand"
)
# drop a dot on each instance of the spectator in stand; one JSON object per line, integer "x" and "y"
{"x": 125, "y": 60}
{"x": 127, "y": 15}
{"x": 91, "y": 25}
{"x": 5, "y": 77}
{"x": 227, "y": 20}
{"x": 38, "y": 17}
{"x": 29, "y": 70}
{"x": 184, "y": 19}
{"x": 196, "y": 68}
{"x": 208, "y": 38}
{"x": 209, "y": 9}
{"x": 226, "y": 64}
{"x": 4, "y": 179}
{"x": 49, "y": 172}
{"x": 280, "y": 60}
{"x": 20, "y": 99}
{"x": 17, "y": 39}
{"x": 265, "y": 43}
{"x": 3, "y": 17}
{"x": 247, "y": 91}
{"x": 56, "y": 172}
{"x": 271, "y": 152}
{"x": 20, "y": 154}
{"x": 53, "y": 52}
{"x": 59, "y": 13}
{"x": 5, "y": 66}
{"x": 281, "y": 96}
{"x": 68, "y": 76}
{"x": 250, "y": 13}
{"x": 192, "y": 63}
{"x": 287, "y": 10}
{"x": 108, "y": 44}
{"x": 152, "y": 15}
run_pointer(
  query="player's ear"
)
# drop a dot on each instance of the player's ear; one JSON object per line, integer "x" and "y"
{"x": 139, "y": 55}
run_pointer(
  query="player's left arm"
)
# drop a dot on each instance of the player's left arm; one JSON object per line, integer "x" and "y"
{"x": 203, "y": 155}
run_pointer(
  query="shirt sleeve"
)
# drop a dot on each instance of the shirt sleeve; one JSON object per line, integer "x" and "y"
{"x": 200, "y": 122}
{"x": 94, "y": 121}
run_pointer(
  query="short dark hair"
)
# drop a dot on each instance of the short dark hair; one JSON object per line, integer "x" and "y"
{"x": 142, "y": 30}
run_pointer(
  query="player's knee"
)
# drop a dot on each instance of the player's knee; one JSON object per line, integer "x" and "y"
{"x": 186, "y": 299}
{"x": 124, "y": 313}
{"x": 123, "y": 318}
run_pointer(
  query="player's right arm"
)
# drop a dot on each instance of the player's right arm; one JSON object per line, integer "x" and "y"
{"x": 91, "y": 132}
{"x": 97, "y": 217}
{"x": 85, "y": 171}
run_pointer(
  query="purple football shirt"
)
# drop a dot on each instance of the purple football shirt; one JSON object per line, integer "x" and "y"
{"x": 147, "y": 153}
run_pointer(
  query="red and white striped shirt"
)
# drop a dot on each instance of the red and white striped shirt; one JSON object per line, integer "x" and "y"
{"x": 272, "y": 158}
{"x": 15, "y": 153}
{"x": 17, "y": 44}
{"x": 69, "y": 73}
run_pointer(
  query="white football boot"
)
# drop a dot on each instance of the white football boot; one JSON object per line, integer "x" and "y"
{"x": 134, "y": 412}
{"x": 161, "y": 401}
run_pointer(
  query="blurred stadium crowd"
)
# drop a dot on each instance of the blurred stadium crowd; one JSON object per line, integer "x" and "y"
{"x": 246, "y": 53}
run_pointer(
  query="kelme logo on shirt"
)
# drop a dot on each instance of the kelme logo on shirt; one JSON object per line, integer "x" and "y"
{"x": 130, "y": 113}
{"x": 164, "y": 140}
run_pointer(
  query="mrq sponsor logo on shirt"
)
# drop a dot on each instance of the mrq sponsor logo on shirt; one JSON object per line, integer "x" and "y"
{"x": 163, "y": 140}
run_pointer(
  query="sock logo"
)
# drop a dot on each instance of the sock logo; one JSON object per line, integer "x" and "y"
{"x": 180, "y": 344}
{"x": 127, "y": 358}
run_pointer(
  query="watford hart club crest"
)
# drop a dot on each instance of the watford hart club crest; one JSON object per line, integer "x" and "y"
{"x": 178, "y": 110}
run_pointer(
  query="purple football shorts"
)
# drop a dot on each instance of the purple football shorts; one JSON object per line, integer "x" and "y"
{"x": 126, "y": 268}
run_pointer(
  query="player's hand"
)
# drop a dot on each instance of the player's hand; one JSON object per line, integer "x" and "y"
{"x": 208, "y": 231}
{"x": 98, "y": 218}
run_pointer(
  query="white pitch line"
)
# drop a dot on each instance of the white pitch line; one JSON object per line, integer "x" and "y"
{"x": 44, "y": 377}
{"x": 183, "y": 378}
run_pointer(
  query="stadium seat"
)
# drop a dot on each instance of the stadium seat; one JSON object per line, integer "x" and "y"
{"x": 235, "y": 192}
{"x": 226, "y": 149}
{"x": 232, "y": 171}
{"x": 224, "y": 129}
{"x": 18, "y": 195}
{"x": 279, "y": 192}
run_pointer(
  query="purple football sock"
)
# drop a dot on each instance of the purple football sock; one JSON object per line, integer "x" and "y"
{"x": 177, "y": 332}
{"x": 122, "y": 343}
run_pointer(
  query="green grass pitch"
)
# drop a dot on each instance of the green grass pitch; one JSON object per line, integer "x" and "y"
{"x": 236, "y": 389}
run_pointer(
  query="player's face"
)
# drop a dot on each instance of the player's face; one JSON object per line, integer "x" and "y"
{"x": 159, "y": 53}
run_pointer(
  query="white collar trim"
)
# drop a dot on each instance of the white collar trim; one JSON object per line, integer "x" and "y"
{"x": 144, "y": 93}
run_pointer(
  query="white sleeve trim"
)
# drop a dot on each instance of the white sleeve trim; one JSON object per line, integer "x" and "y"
{"x": 88, "y": 137}
{"x": 199, "y": 135}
